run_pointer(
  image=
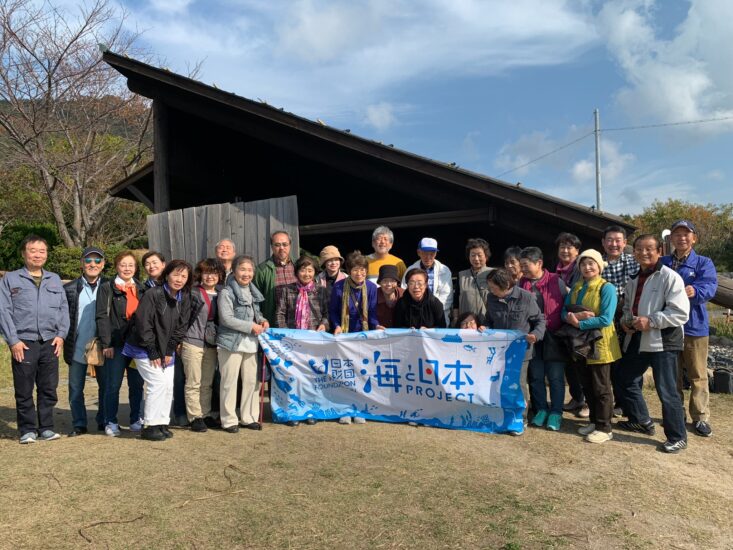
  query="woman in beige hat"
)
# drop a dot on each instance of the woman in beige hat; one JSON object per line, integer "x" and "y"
{"x": 330, "y": 261}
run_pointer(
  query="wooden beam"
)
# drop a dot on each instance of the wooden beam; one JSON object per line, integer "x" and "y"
{"x": 161, "y": 173}
{"x": 435, "y": 218}
{"x": 139, "y": 195}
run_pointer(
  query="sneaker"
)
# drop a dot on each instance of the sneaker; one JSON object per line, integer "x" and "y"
{"x": 413, "y": 424}
{"x": 112, "y": 430}
{"x": 345, "y": 420}
{"x": 539, "y": 419}
{"x": 152, "y": 433}
{"x": 674, "y": 446}
{"x": 598, "y": 437}
{"x": 630, "y": 426}
{"x": 585, "y": 430}
{"x": 703, "y": 429}
{"x": 573, "y": 405}
{"x": 554, "y": 421}
{"x": 28, "y": 437}
{"x": 583, "y": 412}
{"x": 198, "y": 425}
{"x": 618, "y": 412}
{"x": 48, "y": 435}
{"x": 359, "y": 420}
{"x": 136, "y": 426}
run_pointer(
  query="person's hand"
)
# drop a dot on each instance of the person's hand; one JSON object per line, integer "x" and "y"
{"x": 572, "y": 320}
{"x": 641, "y": 323}
{"x": 265, "y": 324}
{"x": 257, "y": 329}
{"x": 337, "y": 330}
{"x": 321, "y": 328}
{"x": 155, "y": 362}
{"x": 18, "y": 351}
{"x": 627, "y": 329}
{"x": 57, "y": 343}
{"x": 108, "y": 353}
{"x": 583, "y": 315}
{"x": 481, "y": 328}
{"x": 690, "y": 291}
{"x": 168, "y": 361}
{"x": 531, "y": 339}
{"x": 380, "y": 327}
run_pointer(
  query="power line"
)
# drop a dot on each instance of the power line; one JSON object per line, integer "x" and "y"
{"x": 662, "y": 125}
{"x": 546, "y": 154}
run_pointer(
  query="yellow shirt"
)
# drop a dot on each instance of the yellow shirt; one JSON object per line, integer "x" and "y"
{"x": 375, "y": 264}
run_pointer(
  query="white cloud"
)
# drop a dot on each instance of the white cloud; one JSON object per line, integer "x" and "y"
{"x": 686, "y": 77}
{"x": 170, "y": 6}
{"x": 470, "y": 148}
{"x": 613, "y": 164}
{"x": 380, "y": 115}
{"x": 715, "y": 175}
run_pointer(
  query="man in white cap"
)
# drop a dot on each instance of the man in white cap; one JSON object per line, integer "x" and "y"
{"x": 440, "y": 279}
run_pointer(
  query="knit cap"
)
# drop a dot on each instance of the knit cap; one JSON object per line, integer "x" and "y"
{"x": 593, "y": 255}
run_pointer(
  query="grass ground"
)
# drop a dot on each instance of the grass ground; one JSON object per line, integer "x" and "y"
{"x": 372, "y": 486}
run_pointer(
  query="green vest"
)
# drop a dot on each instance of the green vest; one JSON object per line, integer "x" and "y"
{"x": 607, "y": 348}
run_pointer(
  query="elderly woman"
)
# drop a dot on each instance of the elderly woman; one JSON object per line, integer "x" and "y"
{"x": 353, "y": 306}
{"x": 513, "y": 308}
{"x": 568, "y": 248}
{"x": 240, "y": 322}
{"x": 198, "y": 350}
{"x": 511, "y": 262}
{"x": 116, "y": 304}
{"x": 330, "y": 261}
{"x": 472, "y": 287}
{"x": 161, "y": 321}
{"x": 597, "y": 300}
{"x": 418, "y": 308}
{"x": 389, "y": 292}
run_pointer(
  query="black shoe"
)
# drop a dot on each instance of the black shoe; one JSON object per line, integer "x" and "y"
{"x": 81, "y": 430}
{"x": 253, "y": 426}
{"x": 152, "y": 433}
{"x": 232, "y": 429}
{"x": 166, "y": 432}
{"x": 212, "y": 423}
{"x": 292, "y": 423}
{"x": 311, "y": 421}
{"x": 198, "y": 425}
{"x": 630, "y": 426}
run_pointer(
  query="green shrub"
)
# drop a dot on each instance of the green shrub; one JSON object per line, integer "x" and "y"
{"x": 13, "y": 234}
{"x": 67, "y": 261}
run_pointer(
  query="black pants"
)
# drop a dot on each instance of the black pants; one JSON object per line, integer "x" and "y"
{"x": 39, "y": 369}
{"x": 596, "y": 382}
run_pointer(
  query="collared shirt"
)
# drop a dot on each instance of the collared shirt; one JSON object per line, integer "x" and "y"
{"x": 677, "y": 261}
{"x": 431, "y": 276}
{"x": 284, "y": 274}
{"x": 618, "y": 271}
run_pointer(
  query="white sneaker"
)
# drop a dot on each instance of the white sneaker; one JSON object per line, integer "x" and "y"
{"x": 598, "y": 437}
{"x": 345, "y": 420}
{"x": 112, "y": 430}
{"x": 359, "y": 420}
{"x": 585, "y": 430}
{"x": 28, "y": 437}
{"x": 136, "y": 426}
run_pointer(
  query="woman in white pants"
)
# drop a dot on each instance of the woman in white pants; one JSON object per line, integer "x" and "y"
{"x": 240, "y": 321}
{"x": 161, "y": 321}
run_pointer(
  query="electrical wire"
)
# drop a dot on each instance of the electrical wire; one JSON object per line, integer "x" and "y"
{"x": 546, "y": 154}
{"x": 662, "y": 125}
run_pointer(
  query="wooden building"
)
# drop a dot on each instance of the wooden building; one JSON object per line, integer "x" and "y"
{"x": 216, "y": 147}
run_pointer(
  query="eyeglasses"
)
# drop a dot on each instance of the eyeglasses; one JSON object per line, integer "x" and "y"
{"x": 416, "y": 284}
{"x": 95, "y": 260}
{"x": 280, "y": 245}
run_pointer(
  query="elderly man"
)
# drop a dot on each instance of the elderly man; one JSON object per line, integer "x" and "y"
{"x": 701, "y": 283}
{"x": 81, "y": 295}
{"x": 654, "y": 313}
{"x": 440, "y": 278}
{"x": 382, "y": 241}
{"x": 34, "y": 320}
{"x": 225, "y": 251}
{"x": 276, "y": 271}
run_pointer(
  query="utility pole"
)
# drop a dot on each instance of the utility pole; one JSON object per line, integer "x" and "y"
{"x": 597, "y": 132}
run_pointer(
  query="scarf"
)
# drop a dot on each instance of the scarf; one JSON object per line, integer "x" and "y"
{"x": 302, "y": 305}
{"x": 566, "y": 272}
{"x": 130, "y": 290}
{"x": 349, "y": 287}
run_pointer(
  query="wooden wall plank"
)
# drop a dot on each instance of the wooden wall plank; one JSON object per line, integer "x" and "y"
{"x": 191, "y": 239}
{"x": 236, "y": 220}
{"x": 177, "y": 235}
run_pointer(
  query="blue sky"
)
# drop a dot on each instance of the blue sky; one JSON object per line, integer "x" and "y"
{"x": 489, "y": 85}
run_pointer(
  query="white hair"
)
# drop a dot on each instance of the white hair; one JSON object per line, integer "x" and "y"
{"x": 383, "y": 230}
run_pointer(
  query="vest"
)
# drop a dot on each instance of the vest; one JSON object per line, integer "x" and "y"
{"x": 549, "y": 287}
{"x": 607, "y": 348}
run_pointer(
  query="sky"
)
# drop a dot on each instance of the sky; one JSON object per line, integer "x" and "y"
{"x": 490, "y": 85}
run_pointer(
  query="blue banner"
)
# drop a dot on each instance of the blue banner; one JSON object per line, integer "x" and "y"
{"x": 447, "y": 378}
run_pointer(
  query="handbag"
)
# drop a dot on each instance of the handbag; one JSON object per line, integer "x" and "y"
{"x": 210, "y": 329}
{"x": 93, "y": 353}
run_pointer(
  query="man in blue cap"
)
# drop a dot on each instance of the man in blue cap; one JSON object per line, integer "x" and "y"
{"x": 701, "y": 283}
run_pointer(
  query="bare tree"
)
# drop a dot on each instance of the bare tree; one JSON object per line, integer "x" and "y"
{"x": 68, "y": 115}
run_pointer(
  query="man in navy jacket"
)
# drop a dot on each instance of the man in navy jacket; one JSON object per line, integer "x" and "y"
{"x": 701, "y": 283}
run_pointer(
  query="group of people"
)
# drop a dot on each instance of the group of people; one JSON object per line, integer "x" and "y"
{"x": 186, "y": 338}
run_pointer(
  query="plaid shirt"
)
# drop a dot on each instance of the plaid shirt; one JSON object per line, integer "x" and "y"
{"x": 618, "y": 272}
{"x": 677, "y": 262}
{"x": 287, "y": 299}
{"x": 284, "y": 274}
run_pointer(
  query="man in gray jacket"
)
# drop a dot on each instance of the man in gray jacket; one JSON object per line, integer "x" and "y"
{"x": 655, "y": 310}
{"x": 34, "y": 320}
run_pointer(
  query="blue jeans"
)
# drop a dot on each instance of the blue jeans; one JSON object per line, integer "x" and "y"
{"x": 664, "y": 368}
{"x": 554, "y": 371}
{"x": 115, "y": 369}
{"x": 77, "y": 381}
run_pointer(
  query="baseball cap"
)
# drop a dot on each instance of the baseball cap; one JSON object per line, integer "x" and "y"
{"x": 89, "y": 250}
{"x": 428, "y": 245}
{"x": 684, "y": 223}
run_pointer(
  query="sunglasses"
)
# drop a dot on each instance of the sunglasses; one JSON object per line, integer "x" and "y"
{"x": 95, "y": 260}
